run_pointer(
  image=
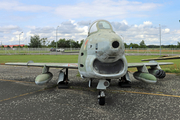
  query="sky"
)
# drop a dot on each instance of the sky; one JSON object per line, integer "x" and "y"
{"x": 133, "y": 20}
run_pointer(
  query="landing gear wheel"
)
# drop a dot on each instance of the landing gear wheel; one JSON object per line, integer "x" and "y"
{"x": 101, "y": 98}
{"x": 101, "y": 101}
{"x": 63, "y": 85}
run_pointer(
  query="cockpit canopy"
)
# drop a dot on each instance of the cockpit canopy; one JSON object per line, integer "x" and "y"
{"x": 100, "y": 24}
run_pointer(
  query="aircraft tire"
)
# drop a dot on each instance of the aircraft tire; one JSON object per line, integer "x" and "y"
{"x": 63, "y": 85}
{"x": 102, "y": 101}
{"x": 160, "y": 74}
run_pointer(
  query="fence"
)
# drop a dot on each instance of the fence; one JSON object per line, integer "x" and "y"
{"x": 152, "y": 51}
{"x": 13, "y": 51}
{"x": 134, "y": 51}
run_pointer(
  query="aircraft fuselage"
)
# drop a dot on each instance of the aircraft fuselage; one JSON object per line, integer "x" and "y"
{"x": 102, "y": 53}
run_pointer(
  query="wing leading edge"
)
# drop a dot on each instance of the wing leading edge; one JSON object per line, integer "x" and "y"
{"x": 52, "y": 65}
{"x": 75, "y": 65}
{"x": 130, "y": 65}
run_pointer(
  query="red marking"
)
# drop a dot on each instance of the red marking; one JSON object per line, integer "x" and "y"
{"x": 86, "y": 42}
{"x": 70, "y": 64}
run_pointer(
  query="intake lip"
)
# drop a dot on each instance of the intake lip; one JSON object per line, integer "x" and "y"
{"x": 108, "y": 68}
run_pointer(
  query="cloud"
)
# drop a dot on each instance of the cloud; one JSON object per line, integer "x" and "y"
{"x": 145, "y": 31}
{"x": 9, "y": 28}
{"x": 17, "y": 6}
{"x": 120, "y": 26}
{"x": 69, "y": 27}
{"x": 105, "y": 8}
{"x": 147, "y": 23}
{"x": 84, "y": 23}
{"x": 167, "y": 30}
{"x": 40, "y": 30}
{"x": 78, "y": 30}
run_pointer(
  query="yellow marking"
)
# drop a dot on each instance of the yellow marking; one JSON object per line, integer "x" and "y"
{"x": 85, "y": 44}
{"x": 146, "y": 93}
{"x": 16, "y": 81}
{"x": 123, "y": 91}
{"x": 21, "y": 95}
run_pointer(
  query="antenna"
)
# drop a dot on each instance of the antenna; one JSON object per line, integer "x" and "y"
{"x": 160, "y": 37}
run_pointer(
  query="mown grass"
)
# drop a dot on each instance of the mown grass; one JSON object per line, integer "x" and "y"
{"x": 74, "y": 59}
{"x": 39, "y": 58}
{"x": 155, "y": 51}
{"x": 21, "y": 51}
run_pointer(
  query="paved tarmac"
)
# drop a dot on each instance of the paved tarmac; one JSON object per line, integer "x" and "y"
{"x": 21, "y": 99}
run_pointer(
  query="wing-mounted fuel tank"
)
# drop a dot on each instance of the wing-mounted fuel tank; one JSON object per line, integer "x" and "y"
{"x": 102, "y": 53}
{"x": 149, "y": 75}
{"x": 143, "y": 75}
{"x": 45, "y": 77}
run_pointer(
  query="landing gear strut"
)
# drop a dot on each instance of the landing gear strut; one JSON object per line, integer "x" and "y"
{"x": 102, "y": 85}
{"x": 125, "y": 81}
{"x": 63, "y": 80}
{"x": 101, "y": 98}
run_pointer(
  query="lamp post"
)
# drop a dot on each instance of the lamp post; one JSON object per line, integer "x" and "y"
{"x": 56, "y": 39}
{"x": 160, "y": 37}
{"x": 19, "y": 41}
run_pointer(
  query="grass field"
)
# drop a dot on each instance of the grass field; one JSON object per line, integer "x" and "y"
{"x": 156, "y": 51}
{"x": 39, "y": 58}
{"x": 21, "y": 51}
{"x": 74, "y": 59}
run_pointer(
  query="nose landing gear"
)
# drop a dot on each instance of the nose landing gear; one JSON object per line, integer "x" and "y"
{"x": 102, "y": 85}
{"x": 101, "y": 98}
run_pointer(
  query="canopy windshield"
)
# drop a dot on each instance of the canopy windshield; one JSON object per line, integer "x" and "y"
{"x": 104, "y": 25}
{"x": 99, "y": 25}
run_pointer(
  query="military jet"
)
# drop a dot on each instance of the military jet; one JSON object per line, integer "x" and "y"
{"x": 101, "y": 58}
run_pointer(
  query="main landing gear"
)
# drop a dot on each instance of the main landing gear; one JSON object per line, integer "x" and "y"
{"x": 125, "y": 81}
{"x": 63, "y": 80}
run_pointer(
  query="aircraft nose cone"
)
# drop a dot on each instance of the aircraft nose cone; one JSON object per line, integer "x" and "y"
{"x": 115, "y": 44}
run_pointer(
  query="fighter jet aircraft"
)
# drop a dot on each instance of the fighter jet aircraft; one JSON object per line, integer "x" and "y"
{"x": 101, "y": 58}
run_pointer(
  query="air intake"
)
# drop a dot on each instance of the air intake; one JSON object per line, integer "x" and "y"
{"x": 108, "y": 68}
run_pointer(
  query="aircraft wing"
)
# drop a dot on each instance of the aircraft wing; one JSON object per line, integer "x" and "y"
{"x": 53, "y": 65}
{"x": 130, "y": 65}
{"x": 163, "y": 58}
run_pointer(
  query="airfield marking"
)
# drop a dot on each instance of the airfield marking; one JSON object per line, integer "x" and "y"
{"x": 16, "y": 81}
{"x": 75, "y": 87}
{"x": 144, "y": 93}
{"x": 21, "y": 95}
{"x": 134, "y": 92}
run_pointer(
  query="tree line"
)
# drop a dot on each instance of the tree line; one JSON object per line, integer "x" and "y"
{"x": 37, "y": 42}
{"x": 143, "y": 45}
